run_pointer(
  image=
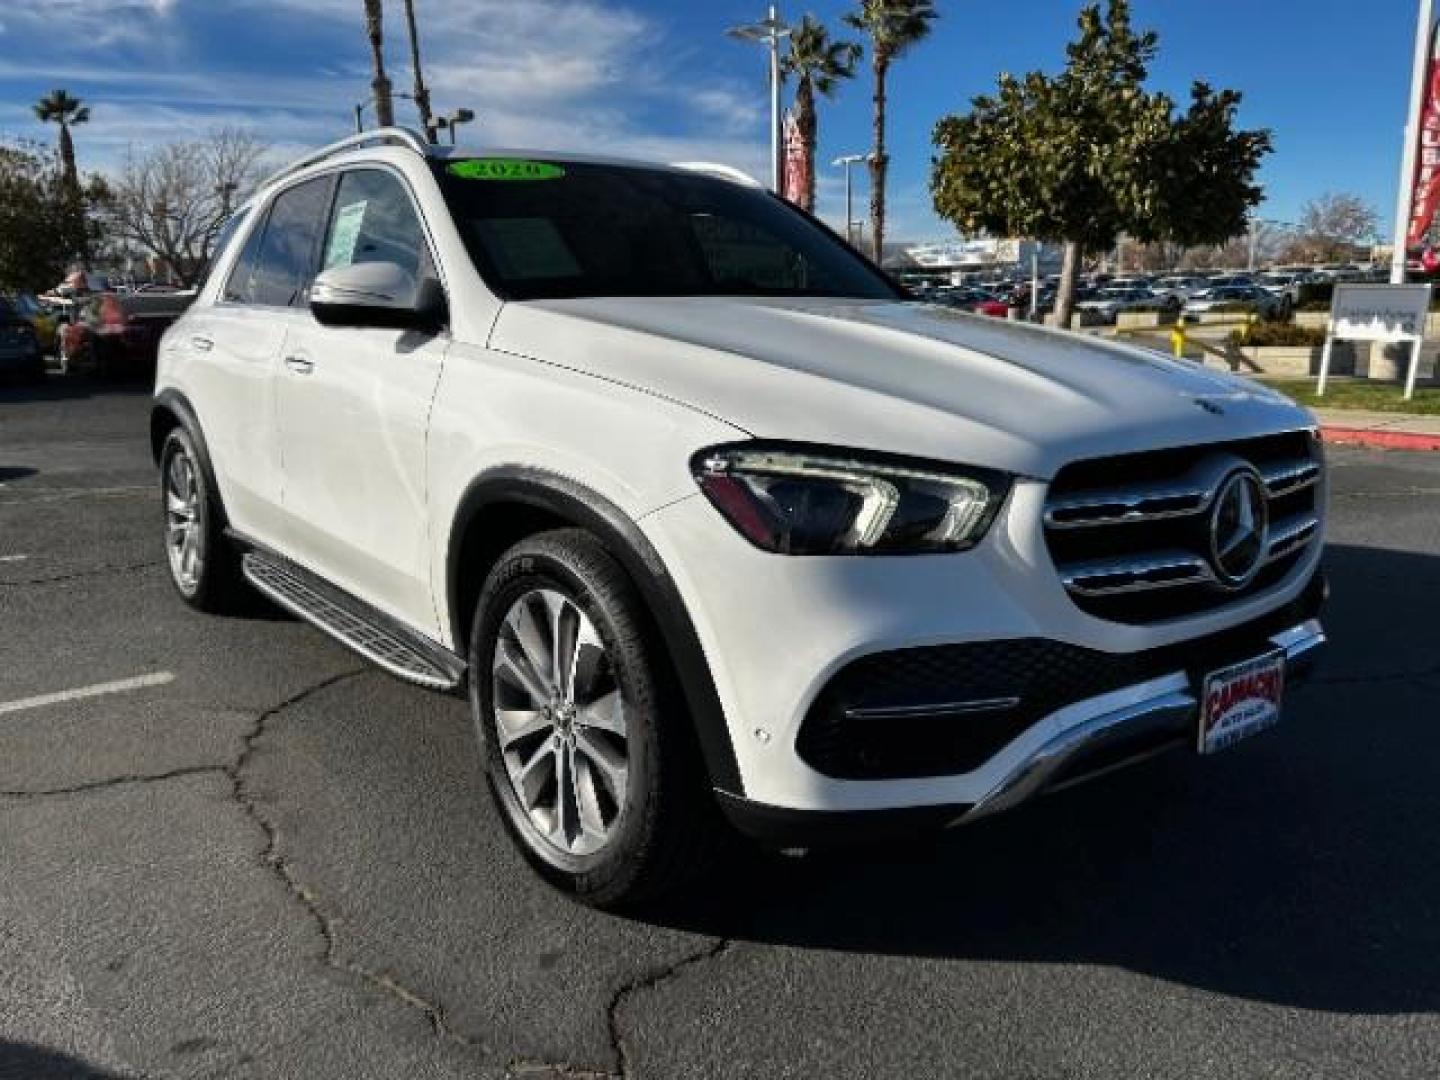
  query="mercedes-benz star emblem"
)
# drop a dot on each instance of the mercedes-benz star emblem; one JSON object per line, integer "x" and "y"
{"x": 1239, "y": 529}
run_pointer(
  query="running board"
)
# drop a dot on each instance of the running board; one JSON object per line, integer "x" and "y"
{"x": 353, "y": 623}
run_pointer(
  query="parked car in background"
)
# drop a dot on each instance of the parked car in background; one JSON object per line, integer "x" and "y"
{"x": 1231, "y": 281}
{"x": 114, "y": 335}
{"x": 45, "y": 322}
{"x": 1130, "y": 283}
{"x": 20, "y": 357}
{"x": 1180, "y": 286}
{"x": 1262, "y": 303}
{"x": 1106, "y": 304}
{"x": 978, "y": 301}
{"x": 1284, "y": 285}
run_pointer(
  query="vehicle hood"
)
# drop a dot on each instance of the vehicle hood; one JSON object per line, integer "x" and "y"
{"x": 903, "y": 377}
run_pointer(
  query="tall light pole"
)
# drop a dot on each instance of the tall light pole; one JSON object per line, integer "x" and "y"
{"x": 1424, "y": 30}
{"x": 845, "y": 163}
{"x": 1255, "y": 224}
{"x": 770, "y": 31}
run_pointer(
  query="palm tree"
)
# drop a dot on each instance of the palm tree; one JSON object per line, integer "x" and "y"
{"x": 818, "y": 65}
{"x": 893, "y": 26}
{"x": 59, "y": 107}
{"x": 422, "y": 94}
{"x": 380, "y": 84}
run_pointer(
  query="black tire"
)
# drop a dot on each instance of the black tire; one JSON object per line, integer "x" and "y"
{"x": 668, "y": 829}
{"x": 216, "y": 585}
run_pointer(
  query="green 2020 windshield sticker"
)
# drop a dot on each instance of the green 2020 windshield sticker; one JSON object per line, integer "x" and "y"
{"x": 504, "y": 169}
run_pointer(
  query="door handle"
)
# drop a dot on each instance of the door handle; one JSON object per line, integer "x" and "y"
{"x": 299, "y": 365}
{"x": 204, "y": 344}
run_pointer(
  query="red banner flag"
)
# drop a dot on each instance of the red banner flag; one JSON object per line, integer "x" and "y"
{"x": 1425, "y": 199}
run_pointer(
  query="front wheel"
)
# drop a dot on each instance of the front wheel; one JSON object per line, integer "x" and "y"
{"x": 592, "y": 764}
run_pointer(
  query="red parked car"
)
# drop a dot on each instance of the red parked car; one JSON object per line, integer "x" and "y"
{"x": 118, "y": 335}
{"x": 974, "y": 300}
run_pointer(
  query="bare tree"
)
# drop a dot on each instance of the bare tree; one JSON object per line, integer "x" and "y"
{"x": 172, "y": 201}
{"x": 1334, "y": 225}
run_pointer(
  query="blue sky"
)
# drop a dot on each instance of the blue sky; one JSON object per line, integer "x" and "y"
{"x": 657, "y": 78}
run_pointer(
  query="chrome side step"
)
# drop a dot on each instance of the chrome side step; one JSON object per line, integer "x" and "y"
{"x": 353, "y": 623}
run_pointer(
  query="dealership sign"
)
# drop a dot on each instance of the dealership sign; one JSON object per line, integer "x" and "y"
{"x": 1386, "y": 313}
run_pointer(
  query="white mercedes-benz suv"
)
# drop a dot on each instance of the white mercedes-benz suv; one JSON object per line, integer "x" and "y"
{"x": 718, "y": 530}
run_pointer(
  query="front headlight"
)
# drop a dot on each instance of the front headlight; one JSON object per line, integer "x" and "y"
{"x": 800, "y": 500}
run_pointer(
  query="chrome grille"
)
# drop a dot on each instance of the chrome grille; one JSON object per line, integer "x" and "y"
{"x": 1131, "y": 535}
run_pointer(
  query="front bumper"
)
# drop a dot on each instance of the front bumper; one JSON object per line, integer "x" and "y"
{"x": 778, "y": 632}
{"x": 1112, "y": 736}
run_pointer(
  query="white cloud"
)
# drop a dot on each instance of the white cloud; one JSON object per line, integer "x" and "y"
{"x": 540, "y": 73}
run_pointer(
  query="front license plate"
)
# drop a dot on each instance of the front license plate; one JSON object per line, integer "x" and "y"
{"x": 1241, "y": 701}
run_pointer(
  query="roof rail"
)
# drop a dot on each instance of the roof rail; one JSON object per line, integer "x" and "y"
{"x": 386, "y": 136}
{"x": 724, "y": 172}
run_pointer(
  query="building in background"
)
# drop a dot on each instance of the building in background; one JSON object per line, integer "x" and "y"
{"x": 960, "y": 261}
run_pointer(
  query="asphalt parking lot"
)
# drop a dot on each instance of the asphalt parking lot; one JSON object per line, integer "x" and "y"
{"x": 259, "y": 858}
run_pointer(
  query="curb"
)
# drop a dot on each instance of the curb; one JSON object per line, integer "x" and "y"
{"x": 1376, "y": 439}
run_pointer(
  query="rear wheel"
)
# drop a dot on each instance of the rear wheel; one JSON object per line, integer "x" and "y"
{"x": 204, "y": 568}
{"x": 591, "y": 762}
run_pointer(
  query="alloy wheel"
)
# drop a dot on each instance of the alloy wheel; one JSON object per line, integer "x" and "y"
{"x": 184, "y": 542}
{"x": 561, "y": 722}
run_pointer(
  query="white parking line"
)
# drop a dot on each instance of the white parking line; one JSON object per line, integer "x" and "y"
{"x": 140, "y": 682}
{"x": 13, "y": 558}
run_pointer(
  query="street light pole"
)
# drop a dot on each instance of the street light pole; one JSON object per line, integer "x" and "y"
{"x": 770, "y": 32}
{"x": 1424, "y": 29}
{"x": 844, "y": 163}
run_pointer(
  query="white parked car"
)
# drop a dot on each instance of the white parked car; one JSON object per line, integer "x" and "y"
{"x": 1286, "y": 286}
{"x": 1265, "y": 304}
{"x": 1180, "y": 287}
{"x": 714, "y": 531}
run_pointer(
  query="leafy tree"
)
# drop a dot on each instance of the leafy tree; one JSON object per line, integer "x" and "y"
{"x": 45, "y": 223}
{"x": 1333, "y": 225}
{"x": 818, "y": 64}
{"x": 893, "y": 26}
{"x": 1089, "y": 154}
{"x": 380, "y": 82}
{"x": 62, "y": 108}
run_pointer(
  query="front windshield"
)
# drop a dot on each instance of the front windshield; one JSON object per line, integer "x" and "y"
{"x": 561, "y": 230}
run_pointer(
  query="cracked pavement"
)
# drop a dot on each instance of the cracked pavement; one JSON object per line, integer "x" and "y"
{"x": 281, "y": 863}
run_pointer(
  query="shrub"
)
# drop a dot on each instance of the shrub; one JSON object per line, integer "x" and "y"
{"x": 1285, "y": 335}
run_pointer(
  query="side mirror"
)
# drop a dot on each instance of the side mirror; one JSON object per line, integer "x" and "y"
{"x": 377, "y": 294}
